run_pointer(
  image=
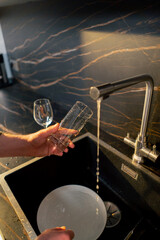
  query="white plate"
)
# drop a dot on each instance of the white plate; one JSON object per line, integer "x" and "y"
{"x": 76, "y": 207}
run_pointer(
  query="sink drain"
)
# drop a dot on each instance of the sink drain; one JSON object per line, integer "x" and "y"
{"x": 113, "y": 214}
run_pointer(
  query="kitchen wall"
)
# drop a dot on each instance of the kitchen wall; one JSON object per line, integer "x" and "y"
{"x": 59, "y": 49}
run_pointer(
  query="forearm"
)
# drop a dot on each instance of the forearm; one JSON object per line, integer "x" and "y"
{"x": 13, "y": 145}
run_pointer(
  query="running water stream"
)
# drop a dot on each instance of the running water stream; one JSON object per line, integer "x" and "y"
{"x": 113, "y": 212}
{"x": 98, "y": 136}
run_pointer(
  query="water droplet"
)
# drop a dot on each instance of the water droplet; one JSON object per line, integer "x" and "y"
{"x": 97, "y": 211}
{"x": 63, "y": 210}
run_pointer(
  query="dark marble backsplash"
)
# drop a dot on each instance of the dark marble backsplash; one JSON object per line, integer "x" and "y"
{"x": 59, "y": 49}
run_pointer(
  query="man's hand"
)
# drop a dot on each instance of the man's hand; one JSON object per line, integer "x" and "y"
{"x": 41, "y": 144}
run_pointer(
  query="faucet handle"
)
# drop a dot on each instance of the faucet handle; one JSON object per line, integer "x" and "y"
{"x": 129, "y": 141}
{"x": 154, "y": 149}
{"x": 128, "y": 135}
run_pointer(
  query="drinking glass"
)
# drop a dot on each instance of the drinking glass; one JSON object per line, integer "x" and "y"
{"x": 71, "y": 124}
{"x": 42, "y": 112}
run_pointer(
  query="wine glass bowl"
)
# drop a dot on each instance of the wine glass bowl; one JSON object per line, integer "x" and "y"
{"x": 42, "y": 112}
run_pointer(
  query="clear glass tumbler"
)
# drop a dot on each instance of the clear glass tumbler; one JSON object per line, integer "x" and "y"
{"x": 72, "y": 124}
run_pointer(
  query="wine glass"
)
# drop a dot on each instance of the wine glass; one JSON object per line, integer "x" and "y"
{"x": 42, "y": 112}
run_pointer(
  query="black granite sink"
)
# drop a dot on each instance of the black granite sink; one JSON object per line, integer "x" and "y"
{"x": 121, "y": 183}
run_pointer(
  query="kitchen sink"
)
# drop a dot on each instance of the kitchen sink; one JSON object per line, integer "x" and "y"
{"x": 132, "y": 190}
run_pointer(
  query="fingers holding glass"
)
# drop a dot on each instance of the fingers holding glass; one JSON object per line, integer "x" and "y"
{"x": 62, "y": 139}
{"x": 72, "y": 124}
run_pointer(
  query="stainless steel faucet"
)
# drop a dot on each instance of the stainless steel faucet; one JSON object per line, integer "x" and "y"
{"x": 140, "y": 145}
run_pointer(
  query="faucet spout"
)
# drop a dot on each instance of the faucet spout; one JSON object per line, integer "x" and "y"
{"x": 105, "y": 90}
